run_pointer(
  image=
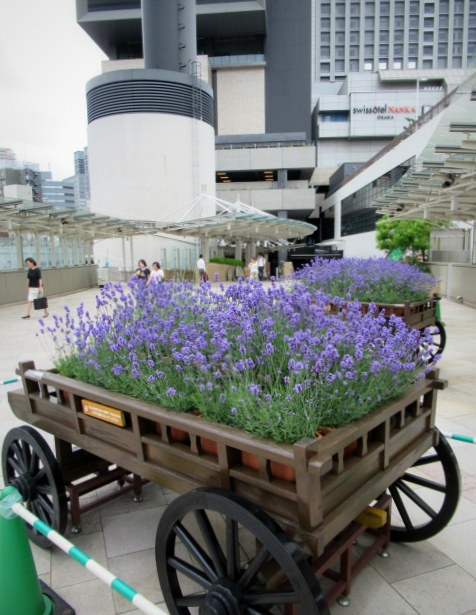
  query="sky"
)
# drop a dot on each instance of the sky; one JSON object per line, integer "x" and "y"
{"x": 45, "y": 61}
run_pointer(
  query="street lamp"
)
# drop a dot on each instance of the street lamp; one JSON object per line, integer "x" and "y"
{"x": 417, "y": 101}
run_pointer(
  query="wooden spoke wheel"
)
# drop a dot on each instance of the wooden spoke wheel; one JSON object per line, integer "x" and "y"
{"x": 438, "y": 339}
{"x": 29, "y": 465}
{"x": 425, "y": 497}
{"x": 218, "y": 554}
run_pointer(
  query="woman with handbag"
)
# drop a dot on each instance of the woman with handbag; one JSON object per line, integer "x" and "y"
{"x": 35, "y": 286}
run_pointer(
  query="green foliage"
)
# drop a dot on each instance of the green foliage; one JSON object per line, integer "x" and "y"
{"x": 409, "y": 235}
{"x": 221, "y": 260}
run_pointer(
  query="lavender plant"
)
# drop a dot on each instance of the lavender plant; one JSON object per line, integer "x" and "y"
{"x": 367, "y": 279}
{"x": 272, "y": 362}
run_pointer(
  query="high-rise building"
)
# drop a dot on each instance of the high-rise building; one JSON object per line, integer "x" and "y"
{"x": 303, "y": 87}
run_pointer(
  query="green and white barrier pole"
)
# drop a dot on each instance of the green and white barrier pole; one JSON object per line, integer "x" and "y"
{"x": 126, "y": 591}
{"x": 20, "y": 589}
{"x": 457, "y": 436}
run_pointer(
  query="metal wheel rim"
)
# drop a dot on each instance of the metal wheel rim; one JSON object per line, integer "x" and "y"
{"x": 439, "y": 340}
{"x": 29, "y": 464}
{"x": 403, "y": 493}
{"x": 229, "y": 588}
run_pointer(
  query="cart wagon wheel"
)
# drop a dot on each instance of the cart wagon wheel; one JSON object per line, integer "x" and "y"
{"x": 427, "y": 506}
{"x": 438, "y": 343}
{"x": 29, "y": 465}
{"x": 218, "y": 554}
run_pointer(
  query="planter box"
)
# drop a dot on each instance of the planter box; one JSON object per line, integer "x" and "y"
{"x": 416, "y": 314}
{"x": 331, "y": 487}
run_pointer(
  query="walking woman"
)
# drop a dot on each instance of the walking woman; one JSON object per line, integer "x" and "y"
{"x": 35, "y": 286}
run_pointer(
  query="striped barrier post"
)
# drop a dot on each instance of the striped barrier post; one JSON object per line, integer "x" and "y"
{"x": 10, "y": 381}
{"x": 457, "y": 436}
{"x": 125, "y": 590}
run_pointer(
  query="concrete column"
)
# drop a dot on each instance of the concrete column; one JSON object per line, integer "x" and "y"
{"x": 37, "y": 248}
{"x": 282, "y": 253}
{"x": 131, "y": 250}
{"x": 169, "y": 35}
{"x": 239, "y": 250}
{"x": 64, "y": 240}
{"x": 123, "y": 243}
{"x": 53, "y": 250}
{"x": 20, "y": 258}
{"x": 205, "y": 248}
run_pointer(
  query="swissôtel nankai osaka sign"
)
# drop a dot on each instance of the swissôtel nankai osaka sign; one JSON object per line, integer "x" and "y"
{"x": 380, "y": 115}
{"x": 384, "y": 112}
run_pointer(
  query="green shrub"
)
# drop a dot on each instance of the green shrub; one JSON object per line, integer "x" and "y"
{"x": 221, "y": 260}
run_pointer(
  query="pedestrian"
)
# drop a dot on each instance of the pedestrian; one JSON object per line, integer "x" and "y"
{"x": 35, "y": 285}
{"x": 202, "y": 271}
{"x": 142, "y": 272}
{"x": 156, "y": 275}
{"x": 261, "y": 266}
{"x": 253, "y": 267}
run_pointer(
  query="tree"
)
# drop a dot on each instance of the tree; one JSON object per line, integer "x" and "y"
{"x": 410, "y": 236}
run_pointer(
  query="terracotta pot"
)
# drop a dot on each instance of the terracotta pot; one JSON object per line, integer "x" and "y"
{"x": 284, "y": 472}
{"x": 178, "y": 435}
{"x": 209, "y": 446}
{"x": 250, "y": 460}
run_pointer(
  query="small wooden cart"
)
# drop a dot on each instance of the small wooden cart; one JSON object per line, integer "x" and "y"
{"x": 245, "y": 537}
{"x": 418, "y": 315}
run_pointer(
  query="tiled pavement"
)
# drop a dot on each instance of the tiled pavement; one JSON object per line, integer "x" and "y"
{"x": 436, "y": 577}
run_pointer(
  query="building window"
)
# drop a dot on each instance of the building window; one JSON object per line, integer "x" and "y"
{"x": 429, "y": 22}
{"x": 355, "y": 24}
{"x": 444, "y": 6}
{"x": 398, "y": 36}
{"x": 370, "y": 8}
{"x": 369, "y": 37}
{"x": 384, "y": 8}
{"x": 325, "y": 37}
{"x": 458, "y": 21}
{"x": 413, "y": 36}
{"x": 397, "y": 64}
{"x": 428, "y": 50}
{"x": 456, "y": 62}
{"x": 442, "y": 48}
{"x": 472, "y": 34}
{"x": 442, "y": 35}
{"x": 369, "y": 50}
{"x": 429, "y": 8}
{"x": 427, "y": 64}
{"x": 354, "y": 51}
{"x": 325, "y": 52}
{"x": 412, "y": 63}
{"x": 340, "y": 38}
{"x": 383, "y": 65}
{"x": 457, "y": 49}
{"x": 383, "y": 51}
{"x": 325, "y": 67}
{"x": 340, "y": 52}
{"x": 340, "y": 9}
{"x": 442, "y": 62}
{"x": 384, "y": 36}
{"x": 414, "y": 22}
{"x": 334, "y": 116}
{"x": 384, "y": 22}
{"x": 325, "y": 9}
{"x": 428, "y": 37}
{"x": 340, "y": 24}
{"x": 368, "y": 65}
{"x": 459, "y": 6}
{"x": 398, "y": 50}
{"x": 399, "y": 22}
{"x": 355, "y": 8}
{"x": 415, "y": 7}
{"x": 339, "y": 66}
{"x": 369, "y": 23}
{"x": 443, "y": 21}
{"x": 325, "y": 24}
{"x": 354, "y": 37}
{"x": 413, "y": 50}
{"x": 399, "y": 8}
{"x": 457, "y": 35}
{"x": 354, "y": 66}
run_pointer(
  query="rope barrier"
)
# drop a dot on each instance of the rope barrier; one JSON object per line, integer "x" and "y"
{"x": 457, "y": 436}
{"x": 11, "y": 504}
{"x": 10, "y": 381}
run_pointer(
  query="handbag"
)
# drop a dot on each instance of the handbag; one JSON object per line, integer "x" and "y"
{"x": 40, "y": 304}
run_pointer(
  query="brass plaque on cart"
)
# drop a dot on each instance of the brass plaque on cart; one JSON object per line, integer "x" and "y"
{"x": 103, "y": 413}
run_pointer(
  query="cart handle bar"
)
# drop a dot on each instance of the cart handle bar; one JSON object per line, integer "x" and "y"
{"x": 12, "y": 503}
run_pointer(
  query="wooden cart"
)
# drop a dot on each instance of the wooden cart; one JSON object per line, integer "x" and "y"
{"x": 258, "y": 523}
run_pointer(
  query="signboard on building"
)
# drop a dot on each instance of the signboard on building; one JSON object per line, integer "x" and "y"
{"x": 380, "y": 115}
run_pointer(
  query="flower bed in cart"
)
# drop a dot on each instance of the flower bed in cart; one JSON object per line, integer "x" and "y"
{"x": 255, "y": 374}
